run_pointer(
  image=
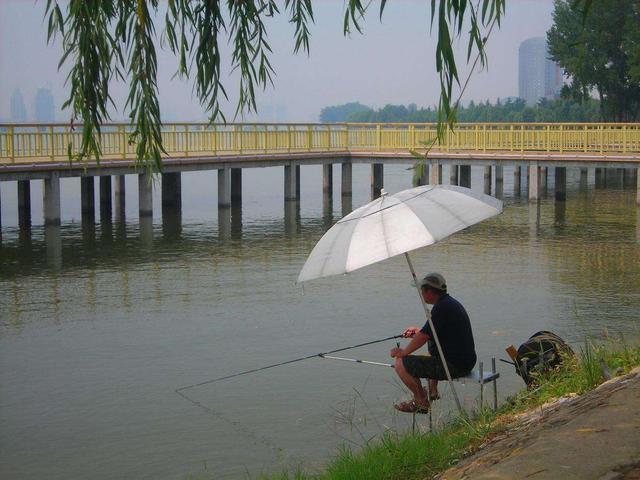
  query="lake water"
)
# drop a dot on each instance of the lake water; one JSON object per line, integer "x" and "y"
{"x": 95, "y": 338}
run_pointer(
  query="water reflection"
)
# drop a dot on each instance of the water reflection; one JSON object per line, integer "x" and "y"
{"x": 146, "y": 232}
{"x": 53, "y": 242}
{"x": 347, "y": 205}
{"x": 291, "y": 217}
{"x": 119, "y": 313}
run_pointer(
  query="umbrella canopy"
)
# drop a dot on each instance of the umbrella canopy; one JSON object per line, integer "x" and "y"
{"x": 396, "y": 224}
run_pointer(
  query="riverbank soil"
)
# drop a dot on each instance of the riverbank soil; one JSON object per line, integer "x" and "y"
{"x": 593, "y": 436}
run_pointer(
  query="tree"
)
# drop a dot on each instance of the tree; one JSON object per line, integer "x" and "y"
{"x": 340, "y": 113}
{"x": 600, "y": 52}
{"x": 109, "y": 39}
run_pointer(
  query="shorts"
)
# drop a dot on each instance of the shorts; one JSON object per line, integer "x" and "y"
{"x": 427, "y": 366}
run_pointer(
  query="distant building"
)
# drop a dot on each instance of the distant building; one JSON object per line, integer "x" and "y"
{"x": 538, "y": 76}
{"x": 45, "y": 111}
{"x": 18, "y": 111}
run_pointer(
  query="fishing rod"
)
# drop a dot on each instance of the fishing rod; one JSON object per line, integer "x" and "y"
{"x": 254, "y": 370}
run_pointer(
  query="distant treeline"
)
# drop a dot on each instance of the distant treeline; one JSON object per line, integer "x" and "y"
{"x": 510, "y": 110}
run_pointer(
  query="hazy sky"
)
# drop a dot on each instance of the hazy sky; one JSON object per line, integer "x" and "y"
{"x": 393, "y": 62}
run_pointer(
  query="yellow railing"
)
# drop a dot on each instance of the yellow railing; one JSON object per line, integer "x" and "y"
{"x": 32, "y": 143}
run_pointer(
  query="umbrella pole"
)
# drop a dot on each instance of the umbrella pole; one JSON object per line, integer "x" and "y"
{"x": 435, "y": 334}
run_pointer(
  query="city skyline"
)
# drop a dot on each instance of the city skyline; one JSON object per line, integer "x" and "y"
{"x": 392, "y": 63}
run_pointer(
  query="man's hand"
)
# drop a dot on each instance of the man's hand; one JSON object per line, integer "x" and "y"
{"x": 396, "y": 352}
{"x": 410, "y": 332}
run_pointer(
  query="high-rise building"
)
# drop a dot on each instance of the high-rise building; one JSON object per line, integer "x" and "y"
{"x": 18, "y": 111}
{"x": 538, "y": 76}
{"x": 45, "y": 111}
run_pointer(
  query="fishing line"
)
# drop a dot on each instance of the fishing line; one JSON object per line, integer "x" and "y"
{"x": 238, "y": 425}
{"x": 254, "y": 370}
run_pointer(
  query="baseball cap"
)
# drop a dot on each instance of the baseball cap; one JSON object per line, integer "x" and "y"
{"x": 433, "y": 280}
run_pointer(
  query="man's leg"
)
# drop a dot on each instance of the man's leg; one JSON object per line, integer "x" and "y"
{"x": 412, "y": 383}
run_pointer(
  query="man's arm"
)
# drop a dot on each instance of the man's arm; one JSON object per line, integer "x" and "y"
{"x": 418, "y": 340}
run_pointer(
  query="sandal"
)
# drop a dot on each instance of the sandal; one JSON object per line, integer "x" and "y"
{"x": 411, "y": 406}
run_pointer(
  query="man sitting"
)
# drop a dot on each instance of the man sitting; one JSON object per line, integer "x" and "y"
{"x": 453, "y": 328}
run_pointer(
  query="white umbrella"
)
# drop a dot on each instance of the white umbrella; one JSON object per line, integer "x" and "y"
{"x": 395, "y": 224}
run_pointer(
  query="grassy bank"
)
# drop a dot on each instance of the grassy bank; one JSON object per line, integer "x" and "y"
{"x": 423, "y": 455}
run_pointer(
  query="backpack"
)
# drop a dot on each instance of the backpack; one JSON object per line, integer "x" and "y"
{"x": 539, "y": 354}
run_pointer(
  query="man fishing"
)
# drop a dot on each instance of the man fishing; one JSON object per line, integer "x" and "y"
{"x": 453, "y": 328}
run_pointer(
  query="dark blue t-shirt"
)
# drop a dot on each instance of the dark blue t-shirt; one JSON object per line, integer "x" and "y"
{"x": 453, "y": 327}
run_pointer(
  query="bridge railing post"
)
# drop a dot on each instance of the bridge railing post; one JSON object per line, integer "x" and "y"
{"x": 51, "y": 145}
{"x": 378, "y": 138}
{"x": 601, "y": 128}
{"x": 511, "y": 138}
{"x": 309, "y": 137}
{"x": 548, "y": 140}
{"x": 412, "y": 137}
{"x": 38, "y": 151}
{"x": 186, "y": 140}
{"x": 123, "y": 141}
{"x": 484, "y": 138}
{"x": 585, "y": 139}
{"x": 624, "y": 139}
{"x": 10, "y": 145}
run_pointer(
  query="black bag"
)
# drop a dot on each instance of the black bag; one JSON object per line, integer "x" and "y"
{"x": 540, "y": 353}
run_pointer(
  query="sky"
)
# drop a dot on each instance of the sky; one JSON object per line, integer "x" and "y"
{"x": 392, "y": 62}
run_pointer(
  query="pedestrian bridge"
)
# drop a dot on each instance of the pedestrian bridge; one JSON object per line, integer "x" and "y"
{"x": 41, "y": 151}
{"x": 41, "y": 144}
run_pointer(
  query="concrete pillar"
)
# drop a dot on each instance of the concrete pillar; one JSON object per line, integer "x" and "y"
{"x": 51, "y": 199}
{"x": 421, "y": 175}
{"x": 291, "y": 190}
{"x": 171, "y": 192}
{"x": 628, "y": 177}
{"x": 377, "y": 179}
{"x": 236, "y": 187}
{"x": 517, "y": 179}
{"x": 24, "y": 204}
{"x": 584, "y": 178}
{"x": 499, "y": 171}
{"x": 106, "y": 211}
{"x": 119, "y": 197}
{"x": 543, "y": 174}
{"x": 600, "y": 178}
{"x": 534, "y": 182}
{"x": 465, "y": 176}
{"x": 487, "y": 180}
{"x": 224, "y": 188}
{"x": 298, "y": 182}
{"x": 327, "y": 179}
{"x": 347, "y": 180}
{"x": 453, "y": 175}
{"x": 434, "y": 174}
{"x": 561, "y": 184}
{"x": 638, "y": 186}
{"x": 145, "y": 196}
{"x": 87, "y": 197}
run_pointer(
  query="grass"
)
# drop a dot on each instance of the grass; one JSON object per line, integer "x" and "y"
{"x": 419, "y": 456}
